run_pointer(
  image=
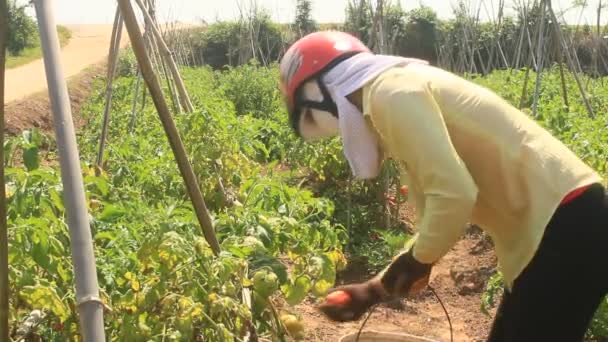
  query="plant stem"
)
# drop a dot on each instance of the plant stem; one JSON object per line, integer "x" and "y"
{"x": 4, "y": 281}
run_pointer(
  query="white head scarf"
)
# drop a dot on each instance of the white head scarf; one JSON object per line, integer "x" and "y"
{"x": 361, "y": 147}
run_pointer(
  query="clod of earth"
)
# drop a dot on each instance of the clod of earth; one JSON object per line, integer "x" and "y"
{"x": 469, "y": 281}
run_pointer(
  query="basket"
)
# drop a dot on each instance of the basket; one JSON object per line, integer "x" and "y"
{"x": 377, "y": 336}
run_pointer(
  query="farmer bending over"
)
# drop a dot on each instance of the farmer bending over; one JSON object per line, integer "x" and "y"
{"x": 467, "y": 156}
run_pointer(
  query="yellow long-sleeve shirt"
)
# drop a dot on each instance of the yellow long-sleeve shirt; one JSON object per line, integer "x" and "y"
{"x": 469, "y": 156}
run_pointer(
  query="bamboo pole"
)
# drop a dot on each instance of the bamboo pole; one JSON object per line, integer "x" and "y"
{"x": 560, "y": 62}
{"x": 519, "y": 46}
{"x": 539, "y": 58}
{"x": 173, "y": 136}
{"x": 598, "y": 40}
{"x": 529, "y": 37}
{"x": 112, "y": 62}
{"x": 88, "y": 301}
{"x": 153, "y": 50}
{"x": 4, "y": 281}
{"x": 168, "y": 57}
{"x": 562, "y": 42}
{"x": 524, "y": 90}
{"x": 135, "y": 100}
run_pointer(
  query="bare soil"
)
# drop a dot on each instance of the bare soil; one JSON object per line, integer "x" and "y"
{"x": 459, "y": 280}
{"x": 35, "y": 110}
{"x": 88, "y": 45}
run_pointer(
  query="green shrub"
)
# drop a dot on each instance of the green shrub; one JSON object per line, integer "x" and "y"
{"x": 22, "y": 29}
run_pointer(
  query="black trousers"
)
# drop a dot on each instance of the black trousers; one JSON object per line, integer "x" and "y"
{"x": 557, "y": 294}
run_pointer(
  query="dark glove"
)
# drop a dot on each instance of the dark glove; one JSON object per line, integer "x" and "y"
{"x": 405, "y": 276}
{"x": 362, "y": 297}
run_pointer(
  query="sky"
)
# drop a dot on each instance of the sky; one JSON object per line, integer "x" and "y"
{"x": 192, "y": 11}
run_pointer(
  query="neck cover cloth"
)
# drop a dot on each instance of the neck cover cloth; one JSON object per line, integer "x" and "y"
{"x": 361, "y": 147}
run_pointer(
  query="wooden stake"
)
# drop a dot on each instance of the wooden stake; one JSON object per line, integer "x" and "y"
{"x": 4, "y": 281}
{"x": 573, "y": 68}
{"x": 87, "y": 300}
{"x": 524, "y": 91}
{"x": 112, "y": 63}
{"x": 168, "y": 56}
{"x": 173, "y": 136}
{"x": 135, "y": 98}
{"x": 598, "y": 40}
{"x": 539, "y": 58}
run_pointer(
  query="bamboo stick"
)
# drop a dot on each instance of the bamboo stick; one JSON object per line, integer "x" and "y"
{"x": 4, "y": 281}
{"x": 539, "y": 58}
{"x": 167, "y": 54}
{"x": 88, "y": 302}
{"x": 135, "y": 100}
{"x": 112, "y": 63}
{"x": 173, "y": 136}
{"x": 562, "y": 41}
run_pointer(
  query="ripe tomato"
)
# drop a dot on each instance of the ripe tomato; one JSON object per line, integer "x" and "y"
{"x": 338, "y": 298}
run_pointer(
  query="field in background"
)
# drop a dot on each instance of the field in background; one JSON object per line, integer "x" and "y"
{"x": 34, "y": 53}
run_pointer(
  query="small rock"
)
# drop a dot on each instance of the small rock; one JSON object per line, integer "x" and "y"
{"x": 484, "y": 244}
{"x": 469, "y": 281}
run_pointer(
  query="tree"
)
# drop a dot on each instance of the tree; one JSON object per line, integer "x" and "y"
{"x": 22, "y": 29}
{"x": 304, "y": 23}
{"x": 359, "y": 19}
{"x": 421, "y": 34}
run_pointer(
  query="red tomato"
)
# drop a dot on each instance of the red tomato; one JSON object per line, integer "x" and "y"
{"x": 404, "y": 190}
{"x": 338, "y": 298}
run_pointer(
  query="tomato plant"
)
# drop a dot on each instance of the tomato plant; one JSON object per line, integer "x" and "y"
{"x": 281, "y": 209}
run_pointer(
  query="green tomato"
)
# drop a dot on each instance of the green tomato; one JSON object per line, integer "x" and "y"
{"x": 229, "y": 289}
{"x": 265, "y": 283}
{"x": 293, "y": 325}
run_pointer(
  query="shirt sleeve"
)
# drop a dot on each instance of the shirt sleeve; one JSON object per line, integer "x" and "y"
{"x": 413, "y": 130}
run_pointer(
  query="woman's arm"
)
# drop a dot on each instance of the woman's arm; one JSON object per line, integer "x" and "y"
{"x": 413, "y": 130}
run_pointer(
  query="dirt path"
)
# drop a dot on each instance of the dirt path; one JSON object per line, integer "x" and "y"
{"x": 89, "y": 45}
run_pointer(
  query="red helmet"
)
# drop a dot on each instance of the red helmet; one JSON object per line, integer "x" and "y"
{"x": 310, "y": 56}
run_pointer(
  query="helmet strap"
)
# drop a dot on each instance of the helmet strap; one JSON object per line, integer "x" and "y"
{"x": 328, "y": 104}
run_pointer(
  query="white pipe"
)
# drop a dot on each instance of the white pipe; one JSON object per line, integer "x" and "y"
{"x": 88, "y": 302}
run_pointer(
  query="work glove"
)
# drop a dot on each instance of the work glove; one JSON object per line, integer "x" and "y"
{"x": 404, "y": 277}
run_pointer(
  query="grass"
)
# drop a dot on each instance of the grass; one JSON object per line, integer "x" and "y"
{"x": 33, "y": 53}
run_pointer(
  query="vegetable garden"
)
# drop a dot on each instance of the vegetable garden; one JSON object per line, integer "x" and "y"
{"x": 288, "y": 216}
{"x": 282, "y": 227}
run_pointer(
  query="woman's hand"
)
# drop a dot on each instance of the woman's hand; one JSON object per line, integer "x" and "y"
{"x": 352, "y": 301}
{"x": 404, "y": 277}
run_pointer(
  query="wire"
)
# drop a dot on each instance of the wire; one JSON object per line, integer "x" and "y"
{"x": 447, "y": 315}
{"x": 371, "y": 311}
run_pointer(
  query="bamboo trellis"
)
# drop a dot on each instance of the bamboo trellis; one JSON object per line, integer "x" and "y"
{"x": 4, "y": 281}
{"x": 88, "y": 302}
{"x": 150, "y": 63}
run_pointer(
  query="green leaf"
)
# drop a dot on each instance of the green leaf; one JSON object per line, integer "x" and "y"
{"x": 40, "y": 251}
{"x": 45, "y": 298}
{"x": 261, "y": 261}
{"x": 249, "y": 246}
{"x": 99, "y": 182}
{"x": 56, "y": 199}
{"x": 64, "y": 274}
{"x": 321, "y": 287}
{"x": 30, "y": 158}
{"x": 297, "y": 291}
{"x": 105, "y": 236}
{"x": 112, "y": 212}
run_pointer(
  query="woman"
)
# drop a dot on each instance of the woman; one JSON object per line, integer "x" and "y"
{"x": 467, "y": 156}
